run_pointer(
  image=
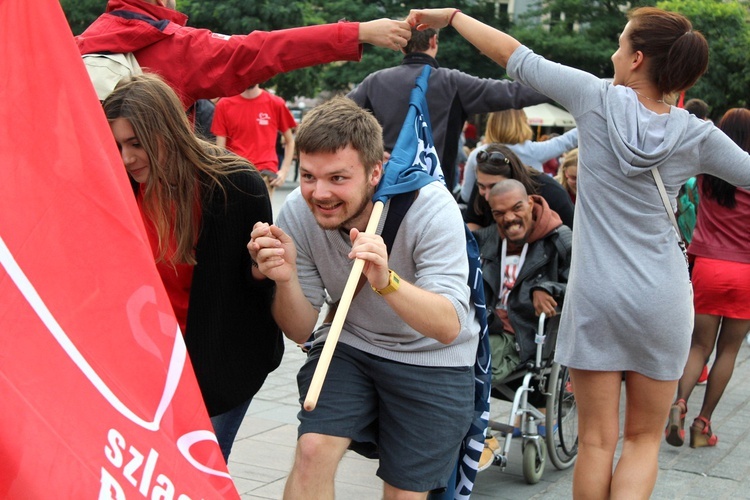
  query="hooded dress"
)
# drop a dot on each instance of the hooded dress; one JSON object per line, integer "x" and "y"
{"x": 628, "y": 305}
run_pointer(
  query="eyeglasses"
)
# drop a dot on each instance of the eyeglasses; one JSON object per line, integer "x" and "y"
{"x": 497, "y": 159}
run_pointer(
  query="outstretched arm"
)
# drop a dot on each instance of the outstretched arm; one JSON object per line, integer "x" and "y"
{"x": 495, "y": 44}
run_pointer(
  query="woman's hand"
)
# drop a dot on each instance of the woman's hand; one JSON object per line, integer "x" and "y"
{"x": 423, "y": 19}
{"x": 493, "y": 43}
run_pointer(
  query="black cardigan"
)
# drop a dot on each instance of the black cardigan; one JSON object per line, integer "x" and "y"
{"x": 231, "y": 337}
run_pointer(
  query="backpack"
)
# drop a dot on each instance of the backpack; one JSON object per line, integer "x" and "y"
{"x": 106, "y": 70}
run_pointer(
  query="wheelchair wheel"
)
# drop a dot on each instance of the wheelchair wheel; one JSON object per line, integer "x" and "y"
{"x": 562, "y": 419}
{"x": 534, "y": 459}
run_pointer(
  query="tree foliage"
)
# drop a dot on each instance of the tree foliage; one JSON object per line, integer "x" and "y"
{"x": 580, "y": 33}
{"x": 725, "y": 26}
{"x": 81, "y": 13}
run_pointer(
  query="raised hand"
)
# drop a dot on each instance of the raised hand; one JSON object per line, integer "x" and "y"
{"x": 274, "y": 252}
{"x": 493, "y": 43}
{"x": 386, "y": 33}
{"x": 430, "y": 18}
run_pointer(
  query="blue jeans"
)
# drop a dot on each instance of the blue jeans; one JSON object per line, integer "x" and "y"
{"x": 226, "y": 426}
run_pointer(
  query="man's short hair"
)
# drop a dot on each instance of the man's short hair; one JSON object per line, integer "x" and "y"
{"x": 506, "y": 186}
{"x": 339, "y": 123}
{"x": 697, "y": 107}
{"x": 420, "y": 40}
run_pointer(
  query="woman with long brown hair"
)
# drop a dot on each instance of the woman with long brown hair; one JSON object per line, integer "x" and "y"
{"x": 721, "y": 280}
{"x": 198, "y": 205}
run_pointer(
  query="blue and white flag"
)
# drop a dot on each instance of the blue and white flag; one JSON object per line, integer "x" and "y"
{"x": 413, "y": 164}
{"x": 462, "y": 483}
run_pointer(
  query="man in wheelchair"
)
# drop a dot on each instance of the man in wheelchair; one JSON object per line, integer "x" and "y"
{"x": 525, "y": 264}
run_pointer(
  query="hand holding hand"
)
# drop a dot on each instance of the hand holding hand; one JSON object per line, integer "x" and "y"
{"x": 274, "y": 252}
{"x": 544, "y": 303}
{"x": 371, "y": 248}
{"x": 430, "y": 18}
{"x": 386, "y": 33}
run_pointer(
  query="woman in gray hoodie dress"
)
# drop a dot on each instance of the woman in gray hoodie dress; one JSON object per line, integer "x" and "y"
{"x": 629, "y": 303}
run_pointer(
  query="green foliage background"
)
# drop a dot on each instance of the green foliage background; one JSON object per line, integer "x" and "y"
{"x": 725, "y": 25}
{"x": 585, "y": 36}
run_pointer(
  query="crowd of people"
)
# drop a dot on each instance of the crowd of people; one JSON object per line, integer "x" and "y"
{"x": 237, "y": 277}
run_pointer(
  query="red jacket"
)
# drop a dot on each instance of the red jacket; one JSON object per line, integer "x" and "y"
{"x": 200, "y": 64}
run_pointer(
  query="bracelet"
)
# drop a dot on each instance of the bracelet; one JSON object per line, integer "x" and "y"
{"x": 450, "y": 21}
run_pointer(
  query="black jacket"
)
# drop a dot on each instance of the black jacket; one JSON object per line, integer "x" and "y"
{"x": 546, "y": 267}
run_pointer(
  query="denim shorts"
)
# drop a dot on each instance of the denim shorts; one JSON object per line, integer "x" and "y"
{"x": 413, "y": 418}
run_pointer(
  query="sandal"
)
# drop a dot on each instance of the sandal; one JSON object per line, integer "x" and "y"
{"x": 702, "y": 436}
{"x": 675, "y": 431}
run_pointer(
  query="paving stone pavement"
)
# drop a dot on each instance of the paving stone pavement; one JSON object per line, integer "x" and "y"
{"x": 264, "y": 449}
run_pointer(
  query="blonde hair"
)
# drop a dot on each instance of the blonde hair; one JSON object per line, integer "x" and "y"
{"x": 570, "y": 159}
{"x": 508, "y": 127}
{"x": 181, "y": 165}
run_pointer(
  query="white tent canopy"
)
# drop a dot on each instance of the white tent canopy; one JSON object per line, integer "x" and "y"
{"x": 547, "y": 115}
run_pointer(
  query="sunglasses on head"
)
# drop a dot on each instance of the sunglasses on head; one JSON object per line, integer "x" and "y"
{"x": 495, "y": 158}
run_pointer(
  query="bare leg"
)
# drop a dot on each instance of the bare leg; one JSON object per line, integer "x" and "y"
{"x": 704, "y": 338}
{"x": 315, "y": 464}
{"x": 732, "y": 333}
{"x": 393, "y": 493}
{"x": 647, "y": 405}
{"x": 598, "y": 401}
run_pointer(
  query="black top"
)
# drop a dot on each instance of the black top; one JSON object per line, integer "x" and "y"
{"x": 231, "y": 337}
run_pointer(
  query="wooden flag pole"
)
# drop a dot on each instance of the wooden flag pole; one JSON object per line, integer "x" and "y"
{"x": 311, "y": 400}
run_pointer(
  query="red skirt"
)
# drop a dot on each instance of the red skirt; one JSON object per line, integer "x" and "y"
{"x": 721, "y": 288}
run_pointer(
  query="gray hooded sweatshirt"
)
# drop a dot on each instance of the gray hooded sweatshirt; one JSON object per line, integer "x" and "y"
{"x": 629, "y": 301}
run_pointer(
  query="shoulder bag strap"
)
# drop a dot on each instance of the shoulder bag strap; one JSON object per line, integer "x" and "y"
{"x": 668, "y": 207}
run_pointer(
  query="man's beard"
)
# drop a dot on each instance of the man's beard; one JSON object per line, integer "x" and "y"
{"x": 348, "y": 223}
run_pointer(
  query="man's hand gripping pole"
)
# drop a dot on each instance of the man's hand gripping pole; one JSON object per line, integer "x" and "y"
{"x": 311, "y": 400}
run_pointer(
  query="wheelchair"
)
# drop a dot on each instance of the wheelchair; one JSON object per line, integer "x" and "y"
{"x": 548, "y": 384}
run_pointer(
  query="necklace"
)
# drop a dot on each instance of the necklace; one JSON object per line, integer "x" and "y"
{"x": 661, "y": 101}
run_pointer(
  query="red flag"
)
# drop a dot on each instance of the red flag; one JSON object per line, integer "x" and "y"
{"x": 97, "y": 394}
